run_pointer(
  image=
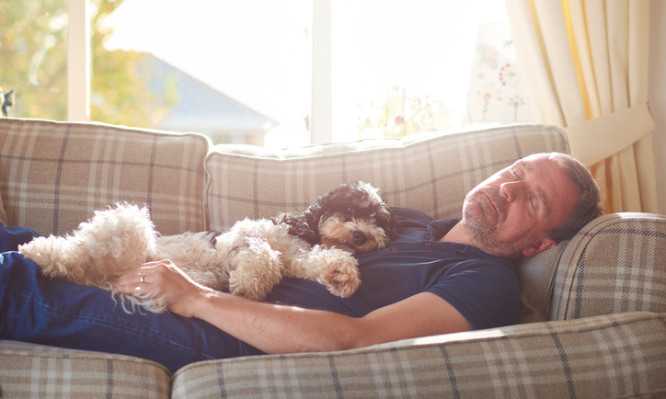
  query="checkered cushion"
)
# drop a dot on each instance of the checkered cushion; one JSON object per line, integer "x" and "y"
{"x": 536, "y": 275}
{"x": 605, "y": 356}
{"x": 617, "y": 263}
{"x": 54, "y": 175}
{"x": 36, "y": 371}
{"x": 431, "y": 173}
{"x": 3, "y": 214}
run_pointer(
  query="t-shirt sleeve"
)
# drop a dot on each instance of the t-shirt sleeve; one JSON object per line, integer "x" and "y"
{"x": 485, "y": 292}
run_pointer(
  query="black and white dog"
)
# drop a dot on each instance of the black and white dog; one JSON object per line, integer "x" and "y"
{"x": 248, "y": 260}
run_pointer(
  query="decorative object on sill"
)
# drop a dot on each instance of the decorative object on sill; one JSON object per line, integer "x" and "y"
{"x": 7, "y": 100}
{"x": 495, "y": 93}
{"x": 399, "y": 113}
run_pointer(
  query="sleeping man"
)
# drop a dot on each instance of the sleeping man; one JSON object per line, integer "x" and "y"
{"x": 438, "y": 276}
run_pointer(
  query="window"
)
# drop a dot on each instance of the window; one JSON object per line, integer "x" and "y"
{"x": 234, "y": 70}
{"x": 403, "y": 66}
{"x": 33, "y": 51}
{"x": 257, "y": 71}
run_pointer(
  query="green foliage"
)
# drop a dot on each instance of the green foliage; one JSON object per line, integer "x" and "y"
{"x": 33, "y": 47}
{"x": 119, "y": 94}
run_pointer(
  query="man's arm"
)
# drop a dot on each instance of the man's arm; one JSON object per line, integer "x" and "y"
{"x": 285, "y": 329}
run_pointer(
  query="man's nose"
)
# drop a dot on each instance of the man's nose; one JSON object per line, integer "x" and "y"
{"x": 510, "y": 190}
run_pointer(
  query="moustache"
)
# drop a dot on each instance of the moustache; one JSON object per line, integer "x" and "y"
{"x": 496, "y": 201}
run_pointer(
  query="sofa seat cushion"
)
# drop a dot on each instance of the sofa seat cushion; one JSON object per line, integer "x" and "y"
{"x": 428, "y": 172}
{"x": 36, "y": 371}
{"x": 53, "y": 175}
{"x": 582, "y": 358}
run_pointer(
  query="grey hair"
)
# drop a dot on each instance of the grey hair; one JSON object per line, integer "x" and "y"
{"x": 588, "y": 206}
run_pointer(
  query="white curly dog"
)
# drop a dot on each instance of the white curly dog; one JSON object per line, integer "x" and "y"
{"x": 248, "y": 260}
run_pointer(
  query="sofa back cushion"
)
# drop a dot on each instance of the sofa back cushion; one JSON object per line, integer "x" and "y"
{"x": 428, "y": 172}
{"x": 53, "y": 175}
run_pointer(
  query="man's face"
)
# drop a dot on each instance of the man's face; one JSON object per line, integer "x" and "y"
{"x": 510, "y": 213}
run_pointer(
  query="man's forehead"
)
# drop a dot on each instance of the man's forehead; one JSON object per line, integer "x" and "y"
{"x": 554, "y": 181}
{"x": 533, "y": 158}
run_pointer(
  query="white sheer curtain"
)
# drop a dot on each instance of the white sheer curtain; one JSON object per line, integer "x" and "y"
{"x": 586, "y": 68}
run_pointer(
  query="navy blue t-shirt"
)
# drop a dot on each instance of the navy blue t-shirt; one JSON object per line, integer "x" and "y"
{"x": 483, "y": 288}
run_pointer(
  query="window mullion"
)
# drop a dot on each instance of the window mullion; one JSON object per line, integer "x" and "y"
{"x": 78, "y": 61}
{"x": 322, "y": 99}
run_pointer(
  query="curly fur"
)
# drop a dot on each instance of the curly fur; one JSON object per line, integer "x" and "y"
{"x": 352, "y": 217}
{"x": 248, "y": 260}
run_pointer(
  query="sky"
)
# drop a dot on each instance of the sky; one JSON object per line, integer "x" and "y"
{"x": 258, "y": 51}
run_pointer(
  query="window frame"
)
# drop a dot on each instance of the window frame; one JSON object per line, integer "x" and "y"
{"x": 79, "y": 67}
{"x": 78, "y": 61}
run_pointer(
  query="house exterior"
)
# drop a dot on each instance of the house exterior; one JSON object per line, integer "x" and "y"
{"x": 202, "y": 108}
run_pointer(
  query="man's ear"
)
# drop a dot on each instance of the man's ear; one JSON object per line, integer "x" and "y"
{"x": 544, "y": 244}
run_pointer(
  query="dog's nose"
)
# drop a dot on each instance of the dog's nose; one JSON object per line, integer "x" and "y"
{"x": 359, "y": 238}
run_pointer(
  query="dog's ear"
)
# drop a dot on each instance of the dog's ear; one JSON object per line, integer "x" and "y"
{"x": 301, "y": 225}
{"x": 387, "y": 220}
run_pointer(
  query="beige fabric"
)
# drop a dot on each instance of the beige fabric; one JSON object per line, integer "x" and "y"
{"x": 3, "y": 213}
{"x": 592, "y": 142}
{"x": 536, "y": 276}
{"x": 587, "y": 358}
{"x": 54, "y": 175}
{"x": 617, "y": 263}
{"x": 431, "y": 172}
{"x": 587, "y": 60}
{"x": 36, "y": 371}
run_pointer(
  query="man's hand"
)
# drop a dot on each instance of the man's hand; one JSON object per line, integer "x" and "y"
{"x": 166, "y": 280}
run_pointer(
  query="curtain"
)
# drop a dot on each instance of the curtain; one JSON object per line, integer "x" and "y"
{"x": 586, "y": 68}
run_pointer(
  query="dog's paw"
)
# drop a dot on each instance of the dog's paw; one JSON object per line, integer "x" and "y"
{"x": 249, "y": 287}
{"x": 340, "y": 274}
{"x": 256, "y": 269}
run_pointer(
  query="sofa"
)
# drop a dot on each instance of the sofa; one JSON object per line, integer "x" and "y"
{"x": 593, "y": 318}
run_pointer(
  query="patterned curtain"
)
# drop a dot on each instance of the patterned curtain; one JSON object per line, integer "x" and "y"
{"x": 587, "y": 67}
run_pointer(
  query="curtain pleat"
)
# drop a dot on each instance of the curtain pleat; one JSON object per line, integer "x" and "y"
{"x": 587, "y": 64}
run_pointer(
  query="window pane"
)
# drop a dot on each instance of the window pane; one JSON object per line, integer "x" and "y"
{"x": 235, "y": 70}
{"x": 33, "y": 50}
{"x": 401, "y": 66}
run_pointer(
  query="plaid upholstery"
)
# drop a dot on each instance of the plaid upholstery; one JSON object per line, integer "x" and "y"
{"x": 3, "y": 214}
{"x": 431, "y": 173}
{"x": 54, "y": 175}
{"x": 617, "y": 263}
{"x": 536, "y": 284}
{"x": 606, "y": 356}
{"x": 36, "y": 371}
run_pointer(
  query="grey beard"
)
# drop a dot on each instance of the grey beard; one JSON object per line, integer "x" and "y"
{"x": 482, "y": 233}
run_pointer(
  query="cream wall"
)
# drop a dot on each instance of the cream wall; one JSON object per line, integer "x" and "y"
{"x": 657, "y": 93}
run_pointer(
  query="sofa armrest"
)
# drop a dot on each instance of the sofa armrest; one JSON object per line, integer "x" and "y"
{"x": 617, "y": 263}
{"x": 39, "y": 371}
{"x": 604, "y": 356}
